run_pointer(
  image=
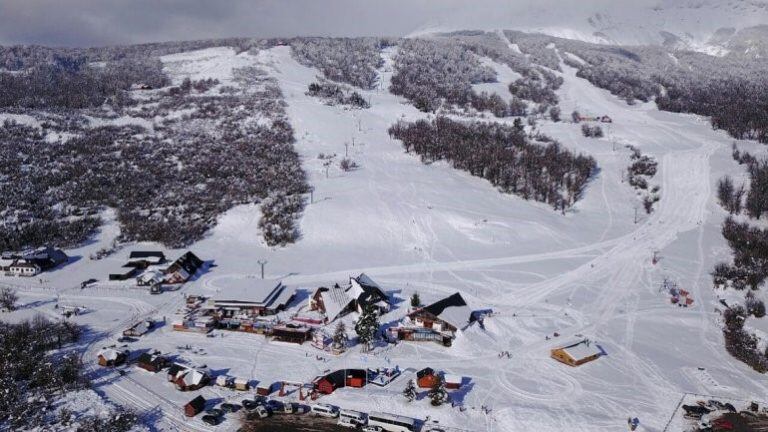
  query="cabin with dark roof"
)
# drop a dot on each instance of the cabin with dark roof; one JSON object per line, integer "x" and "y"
{"x": 327, "y": 384}
{"x": 151, "y": 362}
{"x": 195, "y": 406}
{"x": 183, "y": 268}
{"x": 144, "y": 259}
{"x": 437, "y": 322}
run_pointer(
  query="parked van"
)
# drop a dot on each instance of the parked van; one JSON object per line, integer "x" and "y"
{"x": 349, "y": 418}
{"x": 324, "y": 410}
{"x": 391, "y": 422}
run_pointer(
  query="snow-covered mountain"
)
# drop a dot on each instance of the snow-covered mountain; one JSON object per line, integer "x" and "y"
{"x": 710, "y": 26}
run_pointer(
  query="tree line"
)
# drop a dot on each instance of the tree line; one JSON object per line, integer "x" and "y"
{"x": 536, "y": 168}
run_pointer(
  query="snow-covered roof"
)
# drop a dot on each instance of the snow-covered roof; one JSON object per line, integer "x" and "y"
{"x": 240, "y": 291}
{"x": 453, "y": 310}
{"x": 335, "y": 300}
{"x": 151, "y": 276}
{"x": 453, "y": 379}
{"x": 193, "y": 376}
{"x": 109, "y": 354}
{"x": 364, "y": 289}
{"x": 582, "y": 349}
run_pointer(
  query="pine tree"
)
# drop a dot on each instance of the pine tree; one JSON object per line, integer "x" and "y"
{"x": 340, "y": 336}
{"x": 410, "y": 391}
{"x": 438, "y": 395}
{"x": 367, "y": 326}
{"x": 415, "y": 300}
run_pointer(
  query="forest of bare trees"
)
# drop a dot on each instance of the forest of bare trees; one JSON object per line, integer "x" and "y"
{"x": 539, "y": 169}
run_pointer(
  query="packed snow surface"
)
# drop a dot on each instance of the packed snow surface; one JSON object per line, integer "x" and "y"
{"x": 435, "y": 230}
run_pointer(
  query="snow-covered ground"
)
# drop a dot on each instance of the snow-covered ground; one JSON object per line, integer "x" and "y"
{"x": 435, "y": 230}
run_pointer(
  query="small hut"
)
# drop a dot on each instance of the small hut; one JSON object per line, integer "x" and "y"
{"x": 426, "y": 378}
{"x": 111, "y": 357}
{"x": 194, "y": 407}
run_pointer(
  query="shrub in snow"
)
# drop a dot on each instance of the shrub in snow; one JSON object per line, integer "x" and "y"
{"x": 438, "y": 395}
{"x": 278, "y": 218}
{"x": 349, "y": 60}
{"x": 8, "y": 298}
{"x": 430, "y": 72}
{"x": 167, "y": 184}
{"x": 347, "y": 164}
{"x": 591, "y": 131}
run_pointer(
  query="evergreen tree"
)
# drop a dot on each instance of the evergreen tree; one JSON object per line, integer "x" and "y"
{"x": 438, "y": 395}
{"x": 367, "y": 326}
{"x": 415, "y": 300}
{"x": 340, "y": 336}
{"x": 410, "y": 391}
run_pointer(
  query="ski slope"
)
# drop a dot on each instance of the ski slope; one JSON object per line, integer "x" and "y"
{"x": 435, "y": 230}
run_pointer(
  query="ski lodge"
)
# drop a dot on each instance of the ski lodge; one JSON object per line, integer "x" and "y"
{"x": 577, "y": 353}
{"x": 438, "y": 322}
{"x": 241, "y": 299}
{"x": 340, "y": 300}
{"x": 183, "y": 268}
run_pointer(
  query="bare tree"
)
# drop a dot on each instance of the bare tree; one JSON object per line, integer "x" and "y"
{"x": 8, "y": 298}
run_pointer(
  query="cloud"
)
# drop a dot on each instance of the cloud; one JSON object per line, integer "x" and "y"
{"x": 108, "y": 22}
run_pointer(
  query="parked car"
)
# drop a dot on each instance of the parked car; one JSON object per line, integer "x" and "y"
{"x": 278, "y": 407}
{"x": 230, "y": 407}
{"x": 212, "y": 419}
{"x": 215, "y": 412}
{"x": 85, "y": 283}
{"x": 261, "y": 411}
{"x": 372, "y": 429}
{"x": 716, "y": 404}
{"x": 124, "y": 339}
{"x": 249, "y": 404}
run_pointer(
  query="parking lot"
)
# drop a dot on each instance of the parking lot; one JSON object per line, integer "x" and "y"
{"x": 295, "y": 423}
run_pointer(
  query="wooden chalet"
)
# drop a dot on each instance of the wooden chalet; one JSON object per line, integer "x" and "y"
{"x": 577, "y": 353}
{"x": 139, "y": 329}
{"x": 191, "y": 379}
{"x": 151, "y": 362}
{"x": 437, "y": 322}
{"x": 174, "y": 370}
{"x": 111, "y": 357}
{"x": 183, "y": 268}
{"x": 195, "y": 406}
{"x": 339, "y": 300}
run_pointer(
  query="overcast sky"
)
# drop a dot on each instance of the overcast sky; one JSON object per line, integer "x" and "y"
{"x": 107, "y": 22}
{"x": 110, "y": 22}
